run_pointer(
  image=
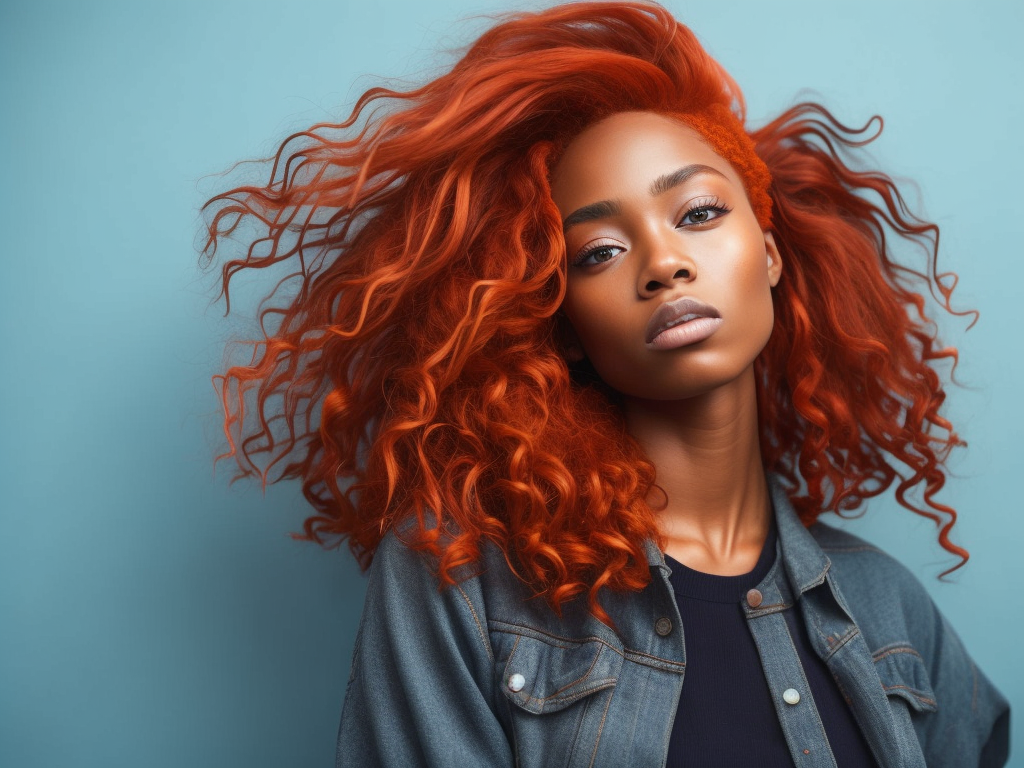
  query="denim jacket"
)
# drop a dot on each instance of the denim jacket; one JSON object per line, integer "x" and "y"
{"x": 480, "y": 674}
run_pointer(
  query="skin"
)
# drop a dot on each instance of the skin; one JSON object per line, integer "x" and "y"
{"x": 692, "y": 406}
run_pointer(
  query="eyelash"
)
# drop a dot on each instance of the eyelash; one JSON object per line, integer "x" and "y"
{"x": 710, "y": 204}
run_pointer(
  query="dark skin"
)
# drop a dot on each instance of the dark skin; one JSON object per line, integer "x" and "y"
{"x": 653, "y": 215}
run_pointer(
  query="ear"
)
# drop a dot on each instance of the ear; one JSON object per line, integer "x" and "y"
{"x": 774, "y": 259}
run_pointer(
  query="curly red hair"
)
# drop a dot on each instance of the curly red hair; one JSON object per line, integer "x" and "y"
{"x": 414, "y": 370}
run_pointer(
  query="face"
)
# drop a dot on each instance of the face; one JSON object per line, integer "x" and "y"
{"x": 669, "y": 273}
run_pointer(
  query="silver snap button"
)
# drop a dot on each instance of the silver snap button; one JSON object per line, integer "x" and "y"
{"x": 516, "y": 682}
{"x": 663, "y": 626}
{"x": 791, "y": 696}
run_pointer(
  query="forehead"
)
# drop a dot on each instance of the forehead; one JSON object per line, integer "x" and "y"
{"x": 611, "y": 156}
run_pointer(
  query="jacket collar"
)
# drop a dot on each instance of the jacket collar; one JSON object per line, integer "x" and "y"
{"x": 805, "y": 563}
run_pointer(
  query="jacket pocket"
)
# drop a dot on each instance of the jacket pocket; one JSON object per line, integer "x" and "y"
{"x": 904, "y": 674}
{"x": 559, "y": 692}
{"x": 543, "y": 673}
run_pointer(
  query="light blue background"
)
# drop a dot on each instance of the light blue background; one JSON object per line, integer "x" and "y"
{"x": 151, "y": 615}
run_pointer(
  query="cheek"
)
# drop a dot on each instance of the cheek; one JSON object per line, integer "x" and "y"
{"x": 592, "y": 319}
{"x": 752, "y": 298}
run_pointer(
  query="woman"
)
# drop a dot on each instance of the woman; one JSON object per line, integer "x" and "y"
{"x": 574, "y": 362}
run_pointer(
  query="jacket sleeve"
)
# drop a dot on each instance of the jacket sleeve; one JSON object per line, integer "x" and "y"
{"x": 970, "y": 709}
{"x": 960, "y": 718}
{"x": 422, "y": 674}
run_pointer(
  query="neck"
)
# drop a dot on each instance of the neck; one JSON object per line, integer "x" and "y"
{"x": 715, "y": 510}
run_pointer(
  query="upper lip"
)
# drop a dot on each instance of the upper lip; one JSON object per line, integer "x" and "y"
{"x": 677, "y": 312}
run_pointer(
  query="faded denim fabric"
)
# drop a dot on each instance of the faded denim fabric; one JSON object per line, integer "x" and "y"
{"x": 479, "y": 674}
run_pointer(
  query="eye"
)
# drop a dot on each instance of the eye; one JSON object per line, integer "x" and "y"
{"x": 596, "y": 254}
{"x": 702, "y": 212}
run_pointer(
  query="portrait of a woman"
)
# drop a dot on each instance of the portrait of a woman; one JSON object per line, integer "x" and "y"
{"x": 605, "y": 359}
{"x": 574, "y": 364}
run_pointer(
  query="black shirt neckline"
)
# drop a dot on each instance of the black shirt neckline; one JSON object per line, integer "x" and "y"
{"x": 723, "y": 589}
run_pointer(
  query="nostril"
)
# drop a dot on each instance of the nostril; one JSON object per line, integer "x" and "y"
{"x": 653, "y": 286}
{"x": 682, "y": 274}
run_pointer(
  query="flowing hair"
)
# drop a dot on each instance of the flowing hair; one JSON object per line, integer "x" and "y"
{"x": 413, "y": 370}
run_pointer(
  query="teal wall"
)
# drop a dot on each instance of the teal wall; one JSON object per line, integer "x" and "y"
{"x": 151, "y": 615}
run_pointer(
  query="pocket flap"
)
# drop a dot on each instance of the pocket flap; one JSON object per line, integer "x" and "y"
{"x": 548, "y": 674}
{"x": 904, "y": 674}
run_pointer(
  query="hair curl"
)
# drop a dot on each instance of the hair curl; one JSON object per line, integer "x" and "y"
{"x": 415, "y": 370}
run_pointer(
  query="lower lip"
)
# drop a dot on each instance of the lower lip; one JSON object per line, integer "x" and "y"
{"x": 685, "y": 334}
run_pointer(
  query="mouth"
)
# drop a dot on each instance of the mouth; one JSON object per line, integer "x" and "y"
{"x": 700, "y": 321}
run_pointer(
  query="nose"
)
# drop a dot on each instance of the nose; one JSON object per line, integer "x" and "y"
{"x": 666, "y": 265}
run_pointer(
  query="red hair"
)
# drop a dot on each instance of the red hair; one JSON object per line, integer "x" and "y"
{"x": 414, "y": 371}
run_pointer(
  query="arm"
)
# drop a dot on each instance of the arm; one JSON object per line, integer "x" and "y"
{"x": 422, "y": 678}
{"x": 959, "y": 717}
{"x": 970, "y": 708}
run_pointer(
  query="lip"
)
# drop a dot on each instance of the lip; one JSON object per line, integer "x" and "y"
{"x": 689, "y": 321}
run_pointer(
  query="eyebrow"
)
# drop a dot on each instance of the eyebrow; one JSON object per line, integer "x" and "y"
{"x": 606, "y": 208}
{"x": 674, "y": 179}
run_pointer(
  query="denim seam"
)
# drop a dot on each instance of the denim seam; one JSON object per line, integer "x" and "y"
{"x": 629, "y": 654}
{"x": 637, "y": 657}
{"x": 840, "y": 642}
{"x": 888, "y": 650}
{"x": 577, "y": 681}
{"x": 764, "y": 610}
{"x": 912, "y": 691}
{"x": 479, "y": 626}
{"x": 529, "y": 631}
{"x": 600, "y": 728}
{"x": 580, "y": 721}
{"x": 812, "y": 706}
{"x": 851, "y": 548}
{"x": 818, "y": 581}
{"x": 596, "y": 687}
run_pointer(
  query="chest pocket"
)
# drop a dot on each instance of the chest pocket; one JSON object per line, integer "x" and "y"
{"x": 903, "y": 674}
{"x": 559, "y": 692}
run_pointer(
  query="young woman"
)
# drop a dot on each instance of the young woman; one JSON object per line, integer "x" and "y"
{"x": 573, "y": 362}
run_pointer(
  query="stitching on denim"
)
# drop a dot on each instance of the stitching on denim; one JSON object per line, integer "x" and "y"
{"x": 629, "y": 654}
{"x": 912, "y": 691}
{"x": 858, "y": 718}
{"x": 479, "y": 626}
{"x": 888, "y": 650}
{"x": 897, "y": 644}
{"x": 765, "y": 610}
{"x": 578, "y": 680}
{"x": 600, "y": 728}
{"x": 534, "y": 631}
{"x": 818, "y": 581}
{"x": 580, "y": 721}
{"x": 842, "y": 689}
{"x": 852, "y": 548}
{"x": 594, "y": 686}
{"x": 813, "y": 708}
{"x": 851, "y": 633}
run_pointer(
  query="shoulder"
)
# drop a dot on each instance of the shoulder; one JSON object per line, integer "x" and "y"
{"x": 884, "y": 597}
{"x": 856, "y": 557}
{"x": 405, "y": 586}
{"x": 864, "y": 567}
{"x": 473, "y": 594}
{"x": 961, "y": 718}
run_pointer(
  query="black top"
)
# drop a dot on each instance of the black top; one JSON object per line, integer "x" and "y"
{"x": 726, "y": 718}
